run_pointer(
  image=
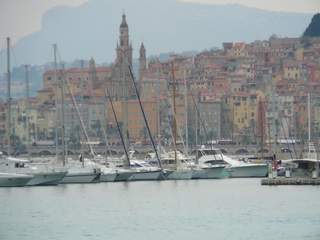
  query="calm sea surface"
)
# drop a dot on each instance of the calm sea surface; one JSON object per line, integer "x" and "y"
{"x": 207, "y": 209}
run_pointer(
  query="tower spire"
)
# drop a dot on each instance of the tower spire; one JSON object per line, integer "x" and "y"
{"x": 124, "y": 21}
{"x": 124, "y": 49}
{"x": 142, "y": 50}
{"x": 142, "y": 60}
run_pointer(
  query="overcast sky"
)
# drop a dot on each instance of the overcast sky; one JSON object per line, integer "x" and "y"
{"x": 19, "y": 18}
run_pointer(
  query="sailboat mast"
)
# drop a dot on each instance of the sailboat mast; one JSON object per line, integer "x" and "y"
{"x": 79, "y": 116}
{"x": 105, "y": 124}
{"x": 158, "y": 112}
{"x": 309, "y": 117}
{"x": 56, "y": 97}
{"x": 62, "y": 116}
{"x": 126, "y": 109}
{"x": 9, "y": 97}
{"x": 27, "y": 105}
{"x": 198, "y": 118}
{"x": 186, "y": 111}
{"x": 144, "y": 116}
{"x": 196, "y": 132}
{"x": 174, "y": 128}
{"x": 273, "y": 109}
{"x": 81, "y": 111}
{"x": 118, "y": 126}
{"x": 261, "y": 127}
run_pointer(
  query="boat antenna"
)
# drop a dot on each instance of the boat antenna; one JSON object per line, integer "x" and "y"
{"x": 107, "y": 95}
{"x": 144, "y": 116}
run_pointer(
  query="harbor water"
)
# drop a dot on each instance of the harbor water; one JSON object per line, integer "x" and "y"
{"x": 231, "y": 209}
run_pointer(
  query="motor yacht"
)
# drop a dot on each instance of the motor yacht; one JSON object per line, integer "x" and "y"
{"x": 235, "y": 168}
{"x": 40, "y": 176}
{"x": 14, "y": 179}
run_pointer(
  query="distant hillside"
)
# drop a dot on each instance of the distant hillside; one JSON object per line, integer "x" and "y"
{"x": 165, "y": 26}
{"x": 313, "y": 30}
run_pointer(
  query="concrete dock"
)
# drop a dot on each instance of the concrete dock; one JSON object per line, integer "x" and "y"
{"x": 290, "y": 181}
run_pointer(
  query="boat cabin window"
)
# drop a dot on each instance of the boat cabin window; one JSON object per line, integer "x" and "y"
{"x": 168, "y": 161}
{"x": 153, "y": 162}
{"x": 208, "y": 152}
{"x": 19, "y": 165}
{"x": 136, "y": 165}
{"x": 215, "y": 162}
{"x": 304, "y": 165}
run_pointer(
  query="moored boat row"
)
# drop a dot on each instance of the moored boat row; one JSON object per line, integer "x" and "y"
{"x": 209, "y": 164}
{"x": 17, "y": 180}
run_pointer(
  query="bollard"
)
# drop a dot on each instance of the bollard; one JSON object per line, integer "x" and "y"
{"x": 288, "y": 173}
{"x": 314, "y": 174}
{"x": 274, "y": 173}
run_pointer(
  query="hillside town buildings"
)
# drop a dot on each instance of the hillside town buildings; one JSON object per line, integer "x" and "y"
{"x": 244, "y": 92}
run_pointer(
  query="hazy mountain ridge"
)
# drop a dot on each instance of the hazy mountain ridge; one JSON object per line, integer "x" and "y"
{"x": 168, "y": 25}
{"x": 313, "y": 30}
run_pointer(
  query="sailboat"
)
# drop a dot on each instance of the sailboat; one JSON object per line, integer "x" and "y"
{"x": 181, "y": 171}
{"x": 78, "y": 171}
{"x": 15, "y": 165}
{"x": 10, "y": 179}
{"x": 309, "y": 165}
{"x": 178, "y": 166}
{"x": 121, "y": 173}
{"x": 143, "y": 171}
{"x": 137, "y": 169}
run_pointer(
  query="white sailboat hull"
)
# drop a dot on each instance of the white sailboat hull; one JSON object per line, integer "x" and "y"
{"x": 146, "y": 175}
{"x": 80, "y": 177}
{"x": 247, "y": 171}
{"x": 180, "y": 175}
{"x": 108, "y": 177}
{"x": 46, "y": 178}
{"x": 14, "y": 180}
{"x": 123, "y": 176}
